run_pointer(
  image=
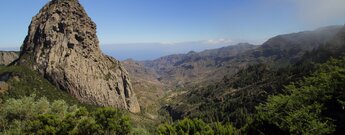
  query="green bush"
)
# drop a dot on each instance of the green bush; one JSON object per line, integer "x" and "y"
{"x": 227, "y": 129}
{"x": 312, "y": 106}
{"x": 30, "y": 116}
{"x": 196, "y": 127}
{"x": 112, "y": 121}
{"x": 25, "y": 82}
{"x": 139, "y": 131}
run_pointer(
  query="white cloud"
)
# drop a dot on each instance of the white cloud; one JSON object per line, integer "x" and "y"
{"x": 168, "y": 43}
{"x": 321, "y": 11}
{"x": 220, "y": 41}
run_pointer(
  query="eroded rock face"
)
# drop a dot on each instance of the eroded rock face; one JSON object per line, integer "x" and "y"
{"x": 63, "y": 47}
{"x": 7, "y": 57}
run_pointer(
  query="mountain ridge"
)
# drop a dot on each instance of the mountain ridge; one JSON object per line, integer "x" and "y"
{"x": 210, "y": 66}
{"x": 235, "y": 97}
{"x": 177, "y": 69}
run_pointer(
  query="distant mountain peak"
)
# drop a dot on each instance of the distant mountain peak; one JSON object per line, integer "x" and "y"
{"x": 191, "y": 52}
{"x": 245, "y": 43}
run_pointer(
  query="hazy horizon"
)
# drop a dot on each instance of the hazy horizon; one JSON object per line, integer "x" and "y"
{"x": 150, "y": 51}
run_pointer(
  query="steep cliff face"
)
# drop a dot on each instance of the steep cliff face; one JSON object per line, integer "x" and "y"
{"x": 63, "y": 47}
{"x": 7, "y": 57}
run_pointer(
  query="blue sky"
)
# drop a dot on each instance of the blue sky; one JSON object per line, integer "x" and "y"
{"x": 147, "y": 29}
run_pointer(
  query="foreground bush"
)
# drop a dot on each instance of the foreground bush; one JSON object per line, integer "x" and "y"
{"x": 196, "y": 127}
{"x": 31, "y": 116}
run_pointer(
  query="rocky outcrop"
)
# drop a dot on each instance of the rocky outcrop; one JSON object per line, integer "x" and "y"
{"x": 7, "y": 57}
{"x": 63, "y": 47}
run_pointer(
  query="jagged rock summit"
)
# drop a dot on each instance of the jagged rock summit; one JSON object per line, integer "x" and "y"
{"x": 63, "y": 47}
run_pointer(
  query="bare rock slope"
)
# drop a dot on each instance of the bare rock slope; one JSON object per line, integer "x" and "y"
{"x": 63, "y": 47}
{"x": 145, "y": 83}
{"x": 7, "y": 57}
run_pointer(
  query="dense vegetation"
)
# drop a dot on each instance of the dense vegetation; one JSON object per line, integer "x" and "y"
{"x": 196, "y": 127}
{"x": 25, "y": 82}
{"x": 234, "y": 99}
{"x": 30, "y": 115}
{"x": 314, "y": 105}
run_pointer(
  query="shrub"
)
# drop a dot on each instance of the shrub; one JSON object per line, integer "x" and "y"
{"x": 312, "y": 106}
{"x": 196, "y": 127}
{"x": 31, "y": 116}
